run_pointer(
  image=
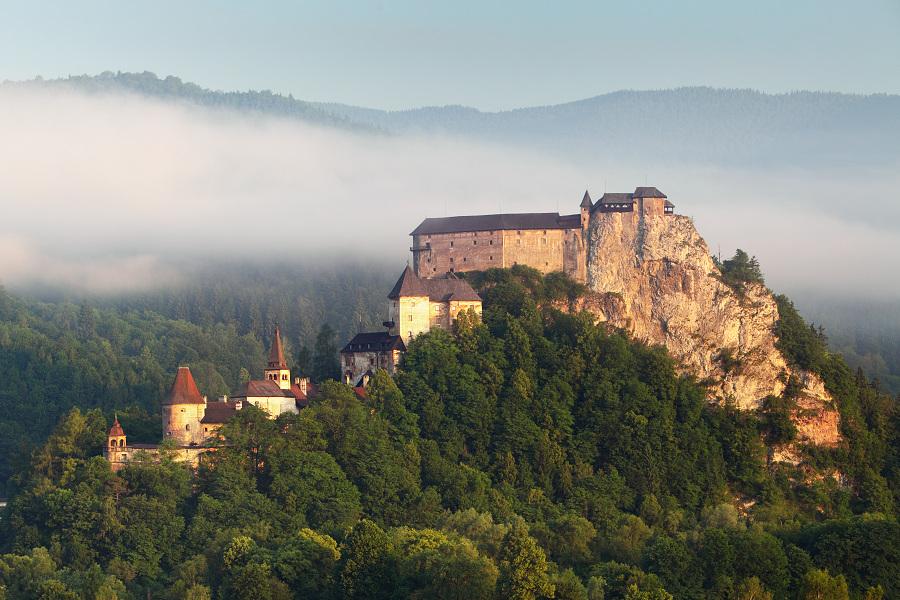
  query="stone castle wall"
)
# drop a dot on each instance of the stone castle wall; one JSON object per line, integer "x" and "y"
{"x": 545, "y": 250}
{"x": 181, "y": 422}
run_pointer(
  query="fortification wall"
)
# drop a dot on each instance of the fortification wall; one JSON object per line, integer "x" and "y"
{"x": 181, "y": 422}
{"x": 541, "y": 249}
{"x": 459, "y": 252}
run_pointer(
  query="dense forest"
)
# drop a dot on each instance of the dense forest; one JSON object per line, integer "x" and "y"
{"x": 531, "y": 455}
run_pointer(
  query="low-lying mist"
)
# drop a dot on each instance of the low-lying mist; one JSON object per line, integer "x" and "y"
{"x": 111, "y": 193}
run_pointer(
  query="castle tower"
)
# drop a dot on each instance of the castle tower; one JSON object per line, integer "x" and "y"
{"x": 116, "y": 436}
{"x": 115, "y": 451}
{"x": 586, "y": 206}
{"x": 277, "y": 369}
{"x": 183, "y": 409}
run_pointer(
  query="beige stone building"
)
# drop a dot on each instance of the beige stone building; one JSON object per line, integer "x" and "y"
{"x": 419, "y": 304}
{"x": 547, "y": 242}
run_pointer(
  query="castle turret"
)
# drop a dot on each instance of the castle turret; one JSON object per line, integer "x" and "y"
{"x": 276, "y": 368}
{"x": 115, "y": 451}
{"x": 183, "y": 409}
{"x": 116, "y": 436}
{"x": 586, "y": 206}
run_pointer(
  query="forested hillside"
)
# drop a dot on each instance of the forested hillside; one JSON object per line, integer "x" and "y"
{"x": 536, "y": 455}
{"x": 121, "y": 353}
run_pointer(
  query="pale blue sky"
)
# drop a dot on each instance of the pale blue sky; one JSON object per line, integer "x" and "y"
{"x": 492, "y": 55}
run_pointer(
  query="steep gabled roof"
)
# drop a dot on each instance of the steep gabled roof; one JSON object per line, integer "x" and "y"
{"x": 184, "y": 389}
{"x": 648, "y": 192}
{"x": 489, "y": 223}
{"x": 586, "y": 201}
{"x": 439, "y": 289}
{"x": 276, "y": 353}
{"x": 379, "y": 341}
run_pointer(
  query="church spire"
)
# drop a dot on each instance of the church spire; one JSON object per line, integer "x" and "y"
{"x": 276, "y": 367}
{"x": 276, "y": 352}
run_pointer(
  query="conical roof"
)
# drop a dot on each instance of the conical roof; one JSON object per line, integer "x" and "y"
{"x": 116, "y": 429}
{"x": 184, "y": 389}
{"x": 586, "y": 202}
{"x": 276, "y": 353}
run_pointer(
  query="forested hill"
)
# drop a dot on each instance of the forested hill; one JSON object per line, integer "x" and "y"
{"x": 700, "y": 125}
{"x": 531, "y": 455}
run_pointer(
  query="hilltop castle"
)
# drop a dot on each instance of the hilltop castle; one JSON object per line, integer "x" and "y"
{"x": 546, "y": 241}
{"x": 427, "y": 295}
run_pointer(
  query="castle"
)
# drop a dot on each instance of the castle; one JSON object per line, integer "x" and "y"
{"x": 190, "y": 419}
{"x": 427, "y": 296}
{"x": 416, "y": 305}
{"x": 545, "y": 241}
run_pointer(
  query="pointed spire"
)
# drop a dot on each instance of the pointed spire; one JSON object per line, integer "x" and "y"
{"x": 184, "y": 389}
{"x": 276, "y": 352}
{"x": 586, "y": 201}
{"x": 116, "y": 429}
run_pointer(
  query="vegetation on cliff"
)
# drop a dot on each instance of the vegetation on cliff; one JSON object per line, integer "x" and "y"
{"x": 533, "y": 455}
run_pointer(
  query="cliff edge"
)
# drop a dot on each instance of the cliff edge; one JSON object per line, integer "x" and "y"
{"x": 653, "y": 276}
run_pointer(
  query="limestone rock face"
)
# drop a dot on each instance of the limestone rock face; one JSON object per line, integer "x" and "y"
{"x": 653, "y": 276}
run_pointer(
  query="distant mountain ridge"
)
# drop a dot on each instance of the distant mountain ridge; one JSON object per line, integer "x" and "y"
{"x": 696, "y": 124}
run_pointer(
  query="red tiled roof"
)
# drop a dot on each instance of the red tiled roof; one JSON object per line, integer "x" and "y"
{"x": 219, "y": 412}
{"x": 276, "y": 353}
{"x": 116, "y": 429}
{"x": 261, "y": 388}
{"x": 184, "y": 389}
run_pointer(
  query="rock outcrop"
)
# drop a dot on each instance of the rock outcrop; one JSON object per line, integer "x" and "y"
{"x": 653, "y": 276}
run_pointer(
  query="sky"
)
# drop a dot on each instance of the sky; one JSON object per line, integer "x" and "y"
{"x": 487, "y": 54}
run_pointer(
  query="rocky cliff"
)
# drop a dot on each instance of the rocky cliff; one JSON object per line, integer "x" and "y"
{"x": 653, "y": 276}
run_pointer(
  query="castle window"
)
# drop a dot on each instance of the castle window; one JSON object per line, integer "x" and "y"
{"x": 122, "y": 443}
{"x": 491, "y": 258}
{"x": 206, "y": 430}
{"x": 474, "y": 242}
{"x": 451, "y": 244}
{"x": 284, "y": 376}
{"x": 112, "y": 443}
{"x": 451, "y": 260}
{"x": 410, "y": 318}
{"x": 434, "y": 269}
{"x": 491, "y": 242}
{"x": 187, "y": 427}
{"x": 464, "y": 259}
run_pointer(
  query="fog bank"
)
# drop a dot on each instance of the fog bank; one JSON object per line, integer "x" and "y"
{"x": 114, "y": 192}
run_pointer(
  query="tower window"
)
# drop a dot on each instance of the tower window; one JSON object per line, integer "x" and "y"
{"x": 451, "y": 244}
{"x": 474, "y": 242}
{"x": 284, "y": 377}
{"x": 187, "y": 427}
{"x": 491, "y": 242}
{"x": 112, "y": 443}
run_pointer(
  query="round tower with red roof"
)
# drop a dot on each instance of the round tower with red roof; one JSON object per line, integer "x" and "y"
{"x": 183, "y": 409}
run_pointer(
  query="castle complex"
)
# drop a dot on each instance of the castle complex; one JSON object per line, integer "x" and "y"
{"x": 545, "y": 241}
{"x": 427, "y": 296}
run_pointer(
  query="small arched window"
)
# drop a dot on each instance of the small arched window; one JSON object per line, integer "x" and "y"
{"x": 112, "y": 443}
{"x": 122, "y": 443}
